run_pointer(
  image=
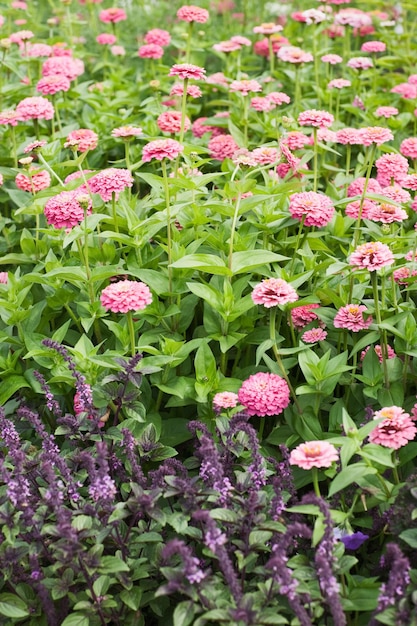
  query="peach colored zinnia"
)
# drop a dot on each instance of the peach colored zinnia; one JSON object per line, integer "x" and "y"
{"x": 272, "y": 292}
{"x": 351, "y": 317}
{"x": 264, "y": 394}
{"x": 313, "y": 454}
{"x": 126, "y": 295}
{"x": 224, "y": 400}
{"x": 372, "y": 256}
{"x": 315, "y": 118}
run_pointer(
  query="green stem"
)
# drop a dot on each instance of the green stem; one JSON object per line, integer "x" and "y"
{"x": 365, "y": 188}
{"x": 189, "y": 39}
{"x": 395, "y": 473}
{"x": 233, "y": 228}
{"x": 49, "y": 168}
{"x": 131, "y": 327}
{"x": 272, "y": 336}
{"x": 382, "y": 333}
{"x": 315, "y": 473}
{"x": 261, "y": 429}
{"x": 297, "y": 243}
{"x": 183, "y": 110}
{"x": 13, "y": 132}
{"x": 271, "y": 56}
{"x": 114, "y": 212}
{"x": 169, "y": 227}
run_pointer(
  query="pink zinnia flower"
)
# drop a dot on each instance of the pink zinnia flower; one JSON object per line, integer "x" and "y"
{"x": 245, "y": 86}
{"x": 333, "y": 59}
{"x": 278, "y": 97}
{"x": 187, "y": 70}
{"x": 378, "y": 351}
{"x": 117, "y": 51}
{"x": 9, "y": 118}
{"x": 303, "y": 315}
{"x": 264, "y": 394}
{"x": 387, "y": 213}
{"x": 265, "y": 155}
{"x": 75, "y": 176}
{"x": 36, "y": 181}
{"x": 199, "y": 128}
{"x": 315, "y": 118}
{"x": 192, "y": 90}
{"x": 411, "y": 255}
{"x": 396, "y": 193}
{"x": 37, "y": 50}
{"x": 293, "y": 54}
{"x": 313, "y": 454}
{"x": 357, "y": 186}
{"x": 226, "y": 46}
{"x": 316, "y": 208}
{"x": 192, "y": 13}
{"x": 272, "y": 292}
{"x": 373, "y": 46}
{"x": 161, "y": 149}
{"x": 386, "y": 112}
{"x": 376, "y": 134}
{"x": 408, "y": 147}
{"x": 402, "y": 274}
{"x": 35, "y": 108}
{"x": 391, "y": 167}
{"x": 338, "y": 83}
{"x": 268, "y": 28}
{"x": 353, "y": 208}
{"x": 151, "y": 51}
{"x": 158, "y": 36}
{"x": 126, "y": 295}
{"x": 110, "y": 181}
{"x": 349, "y": 136}
{"x": 170, "y": 122}
{"x": 225, "y": 400}
{"x": 127, "y": 132}
{"x": 351, "y": 317}
{"x": 21, "y": 36}
{"x": 406, "y": 90}
{"x": 222, "y": 147}
{"x": 69, "y": 67}
{"x": 410, "y": 182}
{"x": 52, "y": 84}
{"x": 112, "y": 16}
{"x": 34, "y": 146}
{"x": 395, "y": 431}
{"x": 295, "y": 140}
{"x": 314, "y": 335}
{"x": 82, "y": 140}
{"x": 262, "y": 104}
{"x": 4, "y": 278}
{"x": 106, "y": 39}
{"x": 64, "y": 210}
{"x": 372, "y": 256}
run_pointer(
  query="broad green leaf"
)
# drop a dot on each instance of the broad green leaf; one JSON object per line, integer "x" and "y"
{"x": 208, "y": 263}
{"x": 351, "y": 474}
{"x": 10, "y": 385}
{"x": 12, "y": 606}
{"x": 246, "y": 261}
{"x": 76, "y": 619}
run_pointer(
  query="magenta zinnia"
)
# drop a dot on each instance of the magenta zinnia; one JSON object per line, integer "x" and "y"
{"x": 317, "y": 208}
{"x": 372, "y": 256}
{"x": 64, "y": 210}
{"x": 351, "y": 317}
{"x": 272, "y": 292}
{"x": 162, "y": 149}
{"x": 126, "y": 295}
{"x": 110, "y": 181}
{"x": 264, "y": 394}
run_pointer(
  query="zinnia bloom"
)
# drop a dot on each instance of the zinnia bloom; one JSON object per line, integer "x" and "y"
{"x": 314, "y": 335}
{"x": 408, "y": 147}
{"x": 222, "y": 147}
{"x": 49, "y": 85}
{"x": 192, "y": 13}
{"x": 112, "y": 16}
{"x": 303, "y": 315}
{"x": 225, "y": 400}
{"x": 272, "y": 292}
{"x": 187, "y": 70}
{"x": 106, "y": 39}
{"x": 395, "y": 431}
{"x": 376, "y": 134}
{"x": 373, "y": 46}
{"x": 38, "y": 180}
{"x": 316, "y": 208}
{"x": 313, "y": 454}
{"x": 158, "y": 36}
{"x": 333, "y": 59}
{"x": 351, "y": 317}
{"x": 64, "y": 210}
{"x": 391, "y": 167}
{"x": 127, "y": 132}
{"x": 161, "y": 149}
{"x": 378, "y": 351}
{"x": 293, "y": 54}
{"x": 264, "y": 394}
{"x": 126, "y": 295}
{"x": 372, "y": 256}
{"x": 315, "y": 118}
{"x": 151, "y": 51}
{"x": 4, "y": 278}
{"x": 82, "y": 140}
{"x": 66, "y": 65}
{"x": 170, "y": 122}
{"x": 386, "y": 112}
{"x": 34, "y": 108}
{"x": 360, "y": 63}
{"x": 110, "y": 181}
{"x": 245, "y": 86}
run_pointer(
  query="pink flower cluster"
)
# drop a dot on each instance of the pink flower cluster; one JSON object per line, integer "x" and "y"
{"x": 34, "y": 108}
{"x": 303, "y": 315}
{"x": 161, "y": 149}
{"x": 315, "y": 118}
{"x": 82, "y": 140}
{"x": 110, "y": 181}
{"x": 126, "y": 295}
{"x": 316, "y": 209}
{"x": 372, "y": 256}
{"x": 396, "y": 429}
{"x": 33, "y": 182}
{"x": 192, "y": 13}
{"x": 65, "y": 210}
{"x": 272, "y": 292}
{"x": 313, "y": 454}
{"x": 264, "y": 394}
{"x": 351, "y": 317}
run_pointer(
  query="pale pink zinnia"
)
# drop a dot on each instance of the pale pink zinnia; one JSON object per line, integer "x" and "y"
{"x": 278, "y": 97}
{"x": 34, "y": 108}
{"x": 82, "y": 140}
{"x": 158, "y": 36}
{"x": 49, "y": 85}
{"x": 266, "y": 155}
{"x": 333, "y": 59}
{"x": 386, "y": 112}
{"x": 408, "y": 147}
{"x": 315, "y": 208}
{"x": 151, "y": 51}
{"x": 396, "y": 429}
{"x": 33, "y": 182}
{"x": 402, "y": 275}
{"x": 351, "y": 317}
{"x": 303, "y": 315}
{"x": 106, "y": 39}
{"x": 225, "y": 400}
{"x": 69, "y": 67}
{"x": 272, "y": 292}
{"x": 338, "y": 83}
{"x": 187, "y": 71}
{"x": 376, "y": 134}
{"x": 387, "y": 213}
{"x": 391, "y": 167}
{"x": 357, "y": 186}
{"x": 378, "y": 351}
{"x": 245, "y": 86}
{"x": 262, "y": 104}
{"x": 293, "y": 54}
{"x": 295, "y": 140}
{"x": 267, "y": 28}
{"x": 127, "y": 132}
{"x": 9, "y": 118}
{"x": 372, "y": 256}
{"x": 314, "y": 335}
{"x": 264, "y": 394}
{"x": 396, "y": 193}
{"x": 162, "y": 149}
{"x": 315, "y": 118}
{"x": 192, "y": 90}
{"x": 112, "y": 16}
{"x": 4, "y": 278}
{"x": 406, "y": 90}
{"x": 353, "y": 208}
{"x": 64, "y": 210}
{"x": 349, "y": 136}
{"x": 192, "y": 13}
{"x": 313, "y": 454}
{"x": 110, "y": 181}
{"x": 373, "y": 46}
{"x": 410, "y": 182}
{"x": 126, "y": 295}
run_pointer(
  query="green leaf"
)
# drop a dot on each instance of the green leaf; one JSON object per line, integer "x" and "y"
{"x": 111, "y": 564}
{"x": 351, "y": 474}
{"x": 246, "y": 261}
{"x": 410, "y": 537}
{"x": 10, "y": 385}
{"x": 13, "y": 606}
{"x": 204, "y": 262}
{"x": 132, "y": 597}
{"x": 76, "y": 619}
{"x": 184, "y": 613}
